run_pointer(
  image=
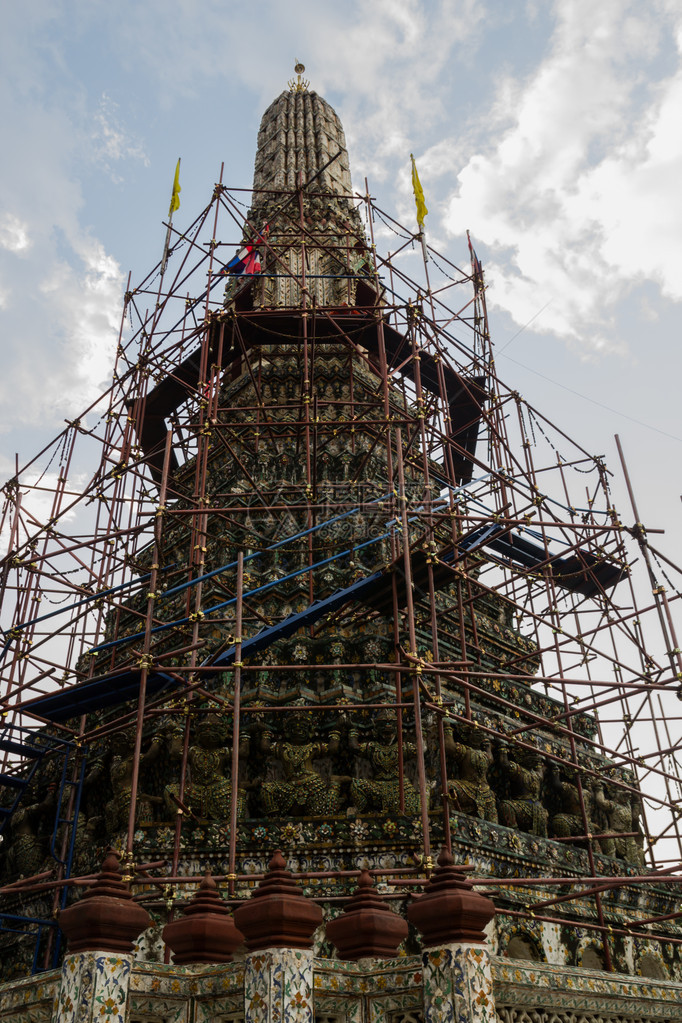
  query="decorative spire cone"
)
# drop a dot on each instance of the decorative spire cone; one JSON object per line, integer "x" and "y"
{"x": 450, "y": 910}
{"x": 278, "y": 915}
{"x": 367, "y": 927}
{"x": 301, "y": 142}
{"x": 106, "y": 919}
{"x": 206, "y": 932}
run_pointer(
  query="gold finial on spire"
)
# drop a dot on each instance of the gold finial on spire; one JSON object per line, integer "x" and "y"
{"x": 298, "y": 84}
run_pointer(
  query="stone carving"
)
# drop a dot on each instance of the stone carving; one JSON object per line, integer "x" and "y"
{"x": 26, "y": 850}
{"x": 171, "y": 791}
{"x": 569, "y": 821}
{"x": 208, "y": 792}
{"x": 86, "y": 851}
{"x": 315, "y": 133}
{"x": 614, "y": 815}
{"x": 523, "y": 808}
{"x": 303, "y": 791}
{"x": 382, "y": 792}
{"x": 470, "y": 792}
{"x": 315, "y": 148}
{"x": 117, "y": 810}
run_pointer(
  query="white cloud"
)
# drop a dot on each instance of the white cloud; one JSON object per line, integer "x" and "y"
{"x": 60, "y": 349}
{"x": 60, "y": 304}
{"x": 111, "y": 141}
{"x": 37, "y": 489}
{"x": 384, "y": 58}
{"x": 578, "y": 194}
{"x": 13, "y": 233}
{"x": 85, "y": 304}
{"x": 387, "y": 62}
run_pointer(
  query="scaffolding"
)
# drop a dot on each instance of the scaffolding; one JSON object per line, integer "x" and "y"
{"x": 436, "y": 547}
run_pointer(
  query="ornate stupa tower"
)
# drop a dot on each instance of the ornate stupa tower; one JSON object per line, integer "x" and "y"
{"x": 301, "y": 145}
{"x": 325, "y": 654}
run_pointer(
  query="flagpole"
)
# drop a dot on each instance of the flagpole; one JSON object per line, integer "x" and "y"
{"x": 166, "y": 247}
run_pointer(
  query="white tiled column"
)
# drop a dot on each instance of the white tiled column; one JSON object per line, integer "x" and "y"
{"x": 278, "y": 986}
{"x": 94, "y": 986}
{"x": 458, "y": 984}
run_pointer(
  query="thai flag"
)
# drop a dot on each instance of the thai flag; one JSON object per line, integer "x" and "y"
{"x": 248, "y": 259}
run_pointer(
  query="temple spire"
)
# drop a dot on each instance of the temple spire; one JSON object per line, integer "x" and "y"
{"x": 299, "y": 134}
{"x": 302, "y": 146}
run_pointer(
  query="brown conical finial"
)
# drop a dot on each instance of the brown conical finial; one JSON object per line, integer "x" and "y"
{"x": 206, "y": 932}
{"x": 450, "y": 910}
{"x": 106, "y": 919}
{"x": 367, "y": 927}
{"x": 278, "y": 915}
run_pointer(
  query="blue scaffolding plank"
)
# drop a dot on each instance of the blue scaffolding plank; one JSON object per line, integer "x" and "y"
{"x": 581, "y": 572}
{"x": 297, "y": 621}
{"x": 13, "y": 781}
{"x": 22, "y": 749}
{"x": 97, "y": 694}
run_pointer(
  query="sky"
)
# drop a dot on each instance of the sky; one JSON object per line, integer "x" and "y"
{"x": 551, "y": 131}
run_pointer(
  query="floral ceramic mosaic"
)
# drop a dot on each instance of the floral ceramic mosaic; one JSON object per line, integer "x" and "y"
{"x": 384, "y": 987}
{"x": 450, "y": 984}
{"x": 278, "y": 987}
{"x": 94, "y": 987}
{"x": 457, "y": 985}
{"x": 30, "y": 1000}
{"x": 517, "y": 983}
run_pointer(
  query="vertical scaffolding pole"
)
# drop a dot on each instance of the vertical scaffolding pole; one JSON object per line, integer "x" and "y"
{"x": 236, "y": 710}
{"x": 145, "y": 661}
{"x": 416, "y": 672}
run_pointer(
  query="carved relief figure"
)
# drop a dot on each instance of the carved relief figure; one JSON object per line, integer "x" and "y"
{"x": 470, "y": 792}
{"x": 523, "y": 809}
{"x": 382, "y": 791}
{"x": 26, "y": 850}
{"x": 569, "y": 820}
{"x": 117, "y": 810}
{"x": 87, "y": 854}
{"x": 208, "y": 792}
{"x": 616, "y": 819}
{"x": 171, "y": 792}
{"x": 303, "y": 791}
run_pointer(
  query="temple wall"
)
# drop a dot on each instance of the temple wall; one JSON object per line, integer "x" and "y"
{"x": 31, "y": 1000}
{"x": 455, "y": 982}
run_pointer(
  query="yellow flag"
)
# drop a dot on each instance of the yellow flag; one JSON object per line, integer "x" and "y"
{"x": 418, "y": 194}
{"x": 175, "y": 197}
